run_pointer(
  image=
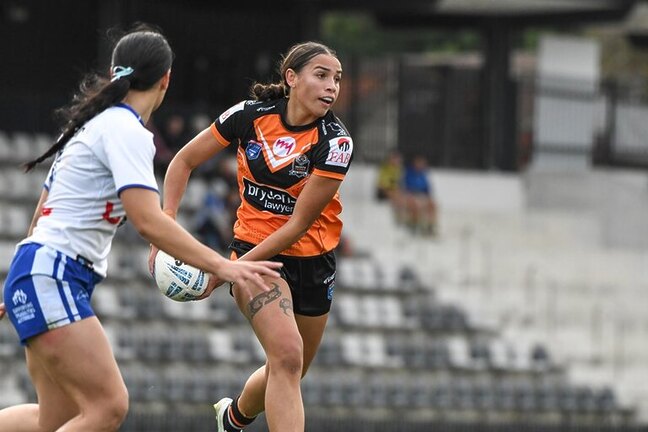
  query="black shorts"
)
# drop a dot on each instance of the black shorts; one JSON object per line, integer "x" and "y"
{"x": 311, "y": 279}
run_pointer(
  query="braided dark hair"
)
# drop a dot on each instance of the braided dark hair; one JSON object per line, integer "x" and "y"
{"x": 144, "y": 52}
{"x": 296, "y": 58}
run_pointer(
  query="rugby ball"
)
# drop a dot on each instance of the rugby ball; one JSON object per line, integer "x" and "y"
{"x": 177, "y": 280}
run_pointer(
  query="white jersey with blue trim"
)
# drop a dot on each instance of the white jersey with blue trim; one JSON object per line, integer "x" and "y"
{"x": 111, "y": 153}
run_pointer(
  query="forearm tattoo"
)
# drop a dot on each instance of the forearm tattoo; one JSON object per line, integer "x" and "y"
{"x": 263, "y": 299}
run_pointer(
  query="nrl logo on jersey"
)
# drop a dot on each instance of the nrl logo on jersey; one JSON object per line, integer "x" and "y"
{"x": 253, "y": 150}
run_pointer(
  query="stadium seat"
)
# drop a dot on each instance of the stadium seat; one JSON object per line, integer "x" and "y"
{"x": 9, "y": 345}
{"x": 222, "y": 347}
{"x": 23, "y": 147}
{"x": 7, "y": 249}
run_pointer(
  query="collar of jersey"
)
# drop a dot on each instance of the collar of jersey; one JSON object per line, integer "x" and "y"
{"x": 283, "y": 106}
{"x": 130, "y": 108}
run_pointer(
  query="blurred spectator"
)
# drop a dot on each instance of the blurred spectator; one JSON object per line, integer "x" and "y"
{"x": 389, "y": 184}
{"x": 212, "y": 223}
{"x": 163, "y": 154}
{"x": 344, "y": 248}
{"x": 389, "y": 176}
{"x": 419, "y": 198}
{"x": 175, "y": 132}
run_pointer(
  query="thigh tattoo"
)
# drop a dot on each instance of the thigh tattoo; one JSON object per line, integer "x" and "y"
{"x": 263, "y": 299}
{"x": 286, "y": 305}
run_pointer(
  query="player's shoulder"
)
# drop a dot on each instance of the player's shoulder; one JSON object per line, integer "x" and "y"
{"x": 331, "y": 126}
{"x": 251, "y": 109}
{"x": 114, "y": 128}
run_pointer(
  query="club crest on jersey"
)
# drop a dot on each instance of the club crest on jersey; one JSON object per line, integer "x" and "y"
{"x": 340, "y": 151}
{"x": 253, "y": 150}
{"x": 299, "y": 166}
{"x": 284, "y": 146}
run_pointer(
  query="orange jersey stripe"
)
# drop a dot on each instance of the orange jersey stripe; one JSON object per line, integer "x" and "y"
{"x": 218, "y": 135}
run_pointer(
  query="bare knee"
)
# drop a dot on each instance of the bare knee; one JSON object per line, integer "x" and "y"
{"x": 110, "y": 413}
{"x": 117, "y": 410}
{"x": 288, "y": 358}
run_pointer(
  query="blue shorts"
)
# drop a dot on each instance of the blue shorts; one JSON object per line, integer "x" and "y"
{"x": 46, "y": 289}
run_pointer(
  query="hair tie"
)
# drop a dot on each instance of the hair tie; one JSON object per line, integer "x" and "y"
{"x": 121, "y": 71}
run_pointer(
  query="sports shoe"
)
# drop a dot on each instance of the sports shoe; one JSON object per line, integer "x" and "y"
{"x": 221, "y": 408}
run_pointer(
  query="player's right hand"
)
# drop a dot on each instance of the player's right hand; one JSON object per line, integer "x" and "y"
{"x": 151, "y": 259}
{"x": 3, "y": 310}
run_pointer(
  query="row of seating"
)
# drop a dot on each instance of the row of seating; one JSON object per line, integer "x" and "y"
{"x": 357, "y": 389}
{"x": 19, "y": 147}
{"x": 390, "y": 345}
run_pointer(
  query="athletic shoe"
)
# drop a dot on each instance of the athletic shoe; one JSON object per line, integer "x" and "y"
{"x": 221, "y": 408}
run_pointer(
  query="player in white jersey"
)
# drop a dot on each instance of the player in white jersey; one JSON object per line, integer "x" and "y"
{"x": 103, "y": 172}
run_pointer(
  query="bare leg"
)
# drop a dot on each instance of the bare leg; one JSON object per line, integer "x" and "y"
{"x": 55, "y": 406}
{"x": 251, "y": 403}
{"x": 78, "y": 361}
{"x": 278, "y": 383}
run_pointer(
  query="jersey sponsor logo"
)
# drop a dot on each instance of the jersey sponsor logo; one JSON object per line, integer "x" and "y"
{"x": 299, "y": 166}
{"x": 238, "y": 107}
{"x": 46, "y": 211}
{"x": 253, "y": 150}
{"x": 284, "y": 146}
{"x": 265, "y": 198}
{"x": 340, "y": 151}
{"x": 278, "y": 162}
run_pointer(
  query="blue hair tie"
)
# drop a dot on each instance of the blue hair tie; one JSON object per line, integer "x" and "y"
{"x": 121, "y": 71}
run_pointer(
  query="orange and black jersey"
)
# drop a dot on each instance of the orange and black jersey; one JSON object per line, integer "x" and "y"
{"x": 275, "y": 161}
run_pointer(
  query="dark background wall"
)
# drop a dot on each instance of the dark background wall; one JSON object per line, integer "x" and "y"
{"x": 46, "y": 47}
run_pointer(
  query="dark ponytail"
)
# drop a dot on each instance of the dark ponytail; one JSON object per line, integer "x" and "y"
{"x": 297, "y": 57}
{"x": 145, "y": 51}
{"x": 95, "y": 94}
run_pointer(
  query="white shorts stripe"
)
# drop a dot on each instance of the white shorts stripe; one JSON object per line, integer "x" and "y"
{"x": 50, "y": 301}
{"x": 70, "y": 301}
{"x": 46, "y": 288}
{"x": 66, "y": 288}
{"x": 61, "y": 267}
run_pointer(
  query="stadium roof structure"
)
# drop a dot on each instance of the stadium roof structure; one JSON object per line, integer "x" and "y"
{"x": 497, "y": 21}
{"x": 451, "y": 12}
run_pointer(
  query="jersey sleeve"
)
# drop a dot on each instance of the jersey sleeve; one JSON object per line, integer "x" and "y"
{"x": 225, "y": 127}
{"x": 334, "y": 153}
{"x": 129, "y": 155}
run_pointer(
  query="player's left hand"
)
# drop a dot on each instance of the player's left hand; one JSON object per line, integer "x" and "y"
{"x": 214, "y": 282}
